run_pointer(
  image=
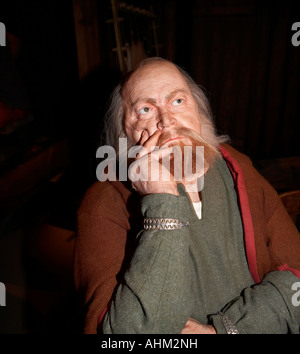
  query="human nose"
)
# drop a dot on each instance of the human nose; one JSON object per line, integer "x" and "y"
{"x": 166, "y": 120}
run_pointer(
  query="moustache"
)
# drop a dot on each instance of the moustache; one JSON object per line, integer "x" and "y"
{"x": 188, "y": 137}
{"x": 180, "y": 133}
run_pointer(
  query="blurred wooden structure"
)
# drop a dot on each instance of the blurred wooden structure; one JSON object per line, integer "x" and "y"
{"x": 87, "y": 36}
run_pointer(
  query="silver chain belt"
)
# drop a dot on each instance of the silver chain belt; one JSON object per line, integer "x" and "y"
{"x": 163, "y": 224}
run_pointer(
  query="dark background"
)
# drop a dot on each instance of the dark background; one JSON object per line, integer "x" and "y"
{"x": 56, "y": 74}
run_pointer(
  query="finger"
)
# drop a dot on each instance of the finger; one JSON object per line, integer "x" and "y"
{"x": 152, "y": 141}
{"x": 144, "y": 138}
{"x": 149, "y": 143}
{"x": 161, "y": 152}
{"x": 150, "y": 163}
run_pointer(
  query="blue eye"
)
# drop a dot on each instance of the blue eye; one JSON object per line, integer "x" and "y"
{"x": 177, "y": 102}
{"x": 144, "y": 110}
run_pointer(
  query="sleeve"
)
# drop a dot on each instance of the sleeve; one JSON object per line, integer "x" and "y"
{"x": 155, "y": 296}
{"x": 99, "y": 252}
{"x": 270, "y": 307}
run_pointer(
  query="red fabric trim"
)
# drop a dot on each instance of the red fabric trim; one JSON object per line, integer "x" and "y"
{"x": 102, "y": 315}
{"x": 284, "y": 267}
{"x": 238, "y": 177}
{"x": 100, "y": 319}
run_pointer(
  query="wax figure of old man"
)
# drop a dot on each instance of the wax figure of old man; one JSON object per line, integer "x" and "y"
{"x": 156, "y": 256}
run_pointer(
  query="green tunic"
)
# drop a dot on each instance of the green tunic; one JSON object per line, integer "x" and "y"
{"x": 193, "y": 272}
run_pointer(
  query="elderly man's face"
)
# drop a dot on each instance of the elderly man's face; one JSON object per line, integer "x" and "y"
{"x": 157, "y": 97}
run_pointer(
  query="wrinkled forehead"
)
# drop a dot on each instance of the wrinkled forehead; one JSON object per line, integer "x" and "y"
{"x": 153, "y": 79}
